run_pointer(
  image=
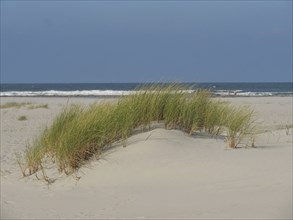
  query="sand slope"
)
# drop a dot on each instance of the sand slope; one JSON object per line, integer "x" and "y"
{"x": 160, "y": 174}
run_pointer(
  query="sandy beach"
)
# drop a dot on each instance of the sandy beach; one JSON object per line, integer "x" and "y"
{"x": 161, "y": 174}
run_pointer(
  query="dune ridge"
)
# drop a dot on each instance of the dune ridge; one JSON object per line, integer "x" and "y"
{"x": 160, "y": 174}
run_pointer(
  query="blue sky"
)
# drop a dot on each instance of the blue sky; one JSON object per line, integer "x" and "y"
{"x": 146, "y": 41}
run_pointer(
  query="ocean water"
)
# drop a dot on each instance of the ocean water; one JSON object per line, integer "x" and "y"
{"x": 118, "y": 89}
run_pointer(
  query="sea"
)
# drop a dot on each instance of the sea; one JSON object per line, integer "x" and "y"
{"x": 121, "y": 89}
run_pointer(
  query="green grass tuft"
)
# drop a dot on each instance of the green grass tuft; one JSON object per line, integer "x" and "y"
{"x": 239, "y": 123}
{"x": 15, "y": 104}
{"x": 37, "y": 106}
{"x": 80, "y": 132}
{"x": 23, "y": 104}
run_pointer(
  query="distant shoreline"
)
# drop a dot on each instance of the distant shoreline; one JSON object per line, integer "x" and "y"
{"x": 114, "y": 90}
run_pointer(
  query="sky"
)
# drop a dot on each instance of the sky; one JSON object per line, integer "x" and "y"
{"x": 146, "y": 41}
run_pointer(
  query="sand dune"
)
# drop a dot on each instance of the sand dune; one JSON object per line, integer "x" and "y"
{"x": 160, "y": 174}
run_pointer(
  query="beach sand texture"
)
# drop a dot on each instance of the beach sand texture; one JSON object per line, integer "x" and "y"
{"x": 160, "y": 174}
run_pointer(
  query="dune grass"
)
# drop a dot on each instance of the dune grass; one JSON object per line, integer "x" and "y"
{"x": 35, "y": 106}
{"x": 14, "y": 104}
{"x": 80, "y": 132}
{"x": 28, "y": 105}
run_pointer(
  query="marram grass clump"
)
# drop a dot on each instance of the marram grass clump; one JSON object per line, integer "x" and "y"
{"x": 28, "y": 105}
{"x": 80, "y": 132}
{"x": 14, "y": 104}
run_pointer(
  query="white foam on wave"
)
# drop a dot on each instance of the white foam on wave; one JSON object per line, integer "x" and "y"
{"x": 85, "y": 93}
{"x": 67, "y": 93}
{"x": 55, "y": 93}
{"x": 241, "y": 93}
{"x": 250, "y": 94}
